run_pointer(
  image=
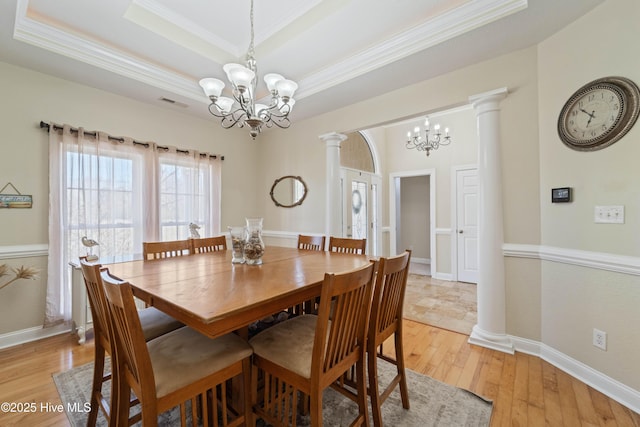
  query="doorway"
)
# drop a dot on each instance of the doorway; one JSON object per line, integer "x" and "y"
{"x": 412, "y": 210}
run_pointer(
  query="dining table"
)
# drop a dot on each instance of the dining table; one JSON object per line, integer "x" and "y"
{"x": 214, "y": 296}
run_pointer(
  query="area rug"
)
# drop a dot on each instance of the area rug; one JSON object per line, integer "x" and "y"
{"x": 441, "y": 303}
{"x": 432, "y": 403}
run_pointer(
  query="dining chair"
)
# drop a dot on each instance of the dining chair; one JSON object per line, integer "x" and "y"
{"x": 308, "y": 243}
{"x": 386, "y": 320}
{"x": 308, "y": 353}
{"x": 347, "y": 245}
{"x": 177, "y": 367}
{"x": 158, "y": 250}
{"x": 154, "y": 323}
{"x": 208, "y": 244}
{"x": 311, "y": 243}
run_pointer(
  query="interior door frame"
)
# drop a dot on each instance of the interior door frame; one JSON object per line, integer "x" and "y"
{"x": 454, "y": 216}
{"x": 393, "y": 195}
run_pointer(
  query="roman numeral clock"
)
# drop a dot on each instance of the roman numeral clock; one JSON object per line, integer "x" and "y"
{"x": 599, "y": 113}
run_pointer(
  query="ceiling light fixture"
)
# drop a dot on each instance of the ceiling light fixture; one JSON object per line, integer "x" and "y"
{"x": 416, "y": 142}
{"x": 243, "y": 109}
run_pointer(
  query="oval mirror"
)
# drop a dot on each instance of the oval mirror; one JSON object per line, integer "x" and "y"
{"x": 288, "y": 191}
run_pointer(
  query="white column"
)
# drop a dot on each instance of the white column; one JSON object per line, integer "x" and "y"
{"x": 333, "y": 210}
{"x": 490, "y": 331}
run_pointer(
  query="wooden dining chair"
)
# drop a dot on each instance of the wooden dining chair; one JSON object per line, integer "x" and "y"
{"x": 308, "y": 353}
{"x": 311, "y": 243}
{"x": 308, "y": 243}
{"x": 177, "y": 367}
{"x": 386, "y": 320}
{"x": 347, "y": 245}
{"x": 154, "y": 323}
{"x": 208, "y": 244}
{"x": 158, "y": 250}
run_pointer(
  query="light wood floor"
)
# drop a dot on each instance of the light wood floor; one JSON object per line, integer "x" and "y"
{"x": 526, "y": 390}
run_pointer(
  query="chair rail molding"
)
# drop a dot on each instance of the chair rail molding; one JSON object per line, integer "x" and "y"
{"x": 24, "y": 251}
{"x": 599, "y": 260}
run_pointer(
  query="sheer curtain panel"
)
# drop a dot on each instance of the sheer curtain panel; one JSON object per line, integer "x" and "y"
{"x": 120, "y": 193}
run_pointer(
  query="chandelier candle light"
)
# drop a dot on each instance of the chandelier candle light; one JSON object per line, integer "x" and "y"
{"x": 417, "y": 142}
{"x": 243, "y": 109}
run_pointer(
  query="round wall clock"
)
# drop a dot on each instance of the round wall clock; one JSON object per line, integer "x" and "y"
{"x": 599, "y": 113}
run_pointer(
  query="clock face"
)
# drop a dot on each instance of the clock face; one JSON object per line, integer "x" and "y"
{"x": 599, "y": 113}
{"x": 593, "y": 113}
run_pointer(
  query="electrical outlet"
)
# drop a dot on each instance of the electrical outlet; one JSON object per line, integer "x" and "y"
{"x": 600, "y": 339}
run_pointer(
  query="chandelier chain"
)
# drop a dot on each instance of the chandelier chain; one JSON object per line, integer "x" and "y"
{"x": 251, "y": 51}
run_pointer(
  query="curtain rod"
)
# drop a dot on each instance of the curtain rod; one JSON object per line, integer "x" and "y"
{"x": 47, "y": 126}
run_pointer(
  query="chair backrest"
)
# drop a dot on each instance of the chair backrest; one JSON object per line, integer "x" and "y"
{"x": 311, "y": 243}
{"x": 340, "y": 342}
{"x": 97, "y": 302}
{"x": 158, "y": 250}
{"x": 208, "y": 244}
{"x": 347, "y": 246}
{"x": 388, "y": 296}
{"x": 132, "y": 355}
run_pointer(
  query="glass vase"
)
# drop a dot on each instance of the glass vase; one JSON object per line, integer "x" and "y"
{"x": 238, "y": 235}
{"x": 253, "y": 243}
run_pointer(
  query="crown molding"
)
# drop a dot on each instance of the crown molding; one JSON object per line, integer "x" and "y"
{"x": 116, "y": 61}
{"x": 469, "y": 16}
{"x": 453, "y": 23}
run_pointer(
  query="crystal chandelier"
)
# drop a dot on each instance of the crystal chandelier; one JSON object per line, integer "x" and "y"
{"x": 243, "y": 109}
{"x": 417, "y": 142}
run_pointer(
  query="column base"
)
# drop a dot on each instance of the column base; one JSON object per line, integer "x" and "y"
{"x": 499, "y": 342}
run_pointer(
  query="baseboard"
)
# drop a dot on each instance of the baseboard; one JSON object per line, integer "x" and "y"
{"x": 443, "y": 276}
{"x": 32, "y": 334}
{"x": 614, "y": 389}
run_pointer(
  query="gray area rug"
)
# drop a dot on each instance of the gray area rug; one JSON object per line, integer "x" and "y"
{"x": 432, "y": 403}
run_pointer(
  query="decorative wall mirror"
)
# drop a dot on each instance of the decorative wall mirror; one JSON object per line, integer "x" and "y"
{"x": 288, "y": 191}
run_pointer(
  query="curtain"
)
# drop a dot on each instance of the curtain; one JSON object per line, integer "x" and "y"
{"x": 120, "y": 193}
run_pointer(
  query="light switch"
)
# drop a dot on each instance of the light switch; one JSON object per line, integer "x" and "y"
{"x": 609, "y": 215}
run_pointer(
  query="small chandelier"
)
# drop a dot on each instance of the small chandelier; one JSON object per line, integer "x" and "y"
{"x": 243, "y": 109}
{"x": 415, "y": 140}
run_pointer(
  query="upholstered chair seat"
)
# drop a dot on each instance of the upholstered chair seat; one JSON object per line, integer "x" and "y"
{"x": 183, "y": 356}
{"x": 289, "y": 344}
{"x": 156, "y": 323}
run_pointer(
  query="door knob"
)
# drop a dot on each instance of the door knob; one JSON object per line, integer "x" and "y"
{"x": 461, "y": 231}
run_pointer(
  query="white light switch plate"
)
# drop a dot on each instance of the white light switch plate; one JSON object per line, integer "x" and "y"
{"x": 609, "y": 215}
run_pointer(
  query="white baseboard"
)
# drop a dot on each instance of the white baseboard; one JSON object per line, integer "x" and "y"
{"x": 32, "y": 334}
{"x": 617, "y": 391}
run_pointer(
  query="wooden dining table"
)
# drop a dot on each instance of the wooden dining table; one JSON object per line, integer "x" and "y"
{"x": 210, "y": 294}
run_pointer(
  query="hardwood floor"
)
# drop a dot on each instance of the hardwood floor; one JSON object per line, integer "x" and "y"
{"x": 526, "y": 390}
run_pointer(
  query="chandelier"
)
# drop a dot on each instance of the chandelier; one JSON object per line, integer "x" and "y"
{"x": 415, "y": 141}
{"x": 243, "y": 110}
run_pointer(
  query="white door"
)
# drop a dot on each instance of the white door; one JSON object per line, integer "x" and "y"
{"x": 467, "y": 225}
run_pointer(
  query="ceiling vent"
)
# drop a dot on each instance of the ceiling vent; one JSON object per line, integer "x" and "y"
{"x": 173, "y": 102}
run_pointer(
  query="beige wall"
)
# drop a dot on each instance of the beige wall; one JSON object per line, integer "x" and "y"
{"x": 553, "y": 303}
{"x": 577, "y": 299}
{"x": 29, "y": 97}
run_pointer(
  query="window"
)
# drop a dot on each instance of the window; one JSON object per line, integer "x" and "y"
{"x": 121, "y": 193}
